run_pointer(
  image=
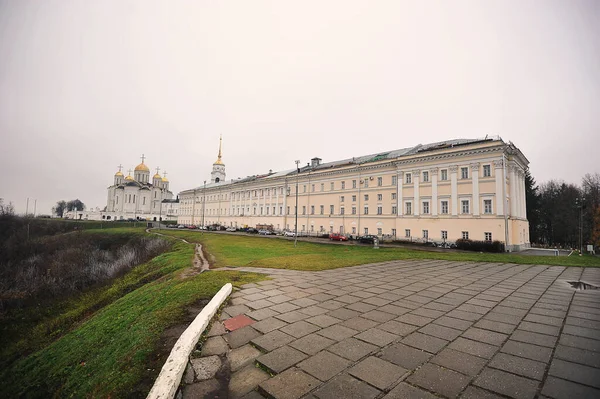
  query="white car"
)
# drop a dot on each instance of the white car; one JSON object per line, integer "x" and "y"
{"x": 230, "y": 229}
{"x": 289, "y": 234}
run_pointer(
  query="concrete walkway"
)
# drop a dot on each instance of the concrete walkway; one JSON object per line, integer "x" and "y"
{"x": 409, "y": 329}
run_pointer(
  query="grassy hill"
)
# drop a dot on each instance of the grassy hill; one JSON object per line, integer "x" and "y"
{"x": 100, "y": 342}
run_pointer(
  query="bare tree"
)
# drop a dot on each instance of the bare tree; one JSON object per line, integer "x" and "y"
{"x": 6, "y": 210}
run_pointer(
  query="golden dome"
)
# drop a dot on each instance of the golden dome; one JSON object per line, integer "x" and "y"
{"x": 142, "y": 168}
{"x": 129, "y": 177}
{"x": 119, "y": 173}
{"x": 157, "y": 176}
{"x": 218, "y": 162}
{"x": 164, "y": 179}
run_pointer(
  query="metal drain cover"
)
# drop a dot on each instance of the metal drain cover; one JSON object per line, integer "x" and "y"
{"x": 582, "y": 286}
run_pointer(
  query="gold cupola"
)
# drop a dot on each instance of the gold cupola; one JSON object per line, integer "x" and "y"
{"x": 142, "y": 167}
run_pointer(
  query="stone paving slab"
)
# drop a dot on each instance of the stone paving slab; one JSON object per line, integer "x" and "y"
{"x": 414, "y": 329}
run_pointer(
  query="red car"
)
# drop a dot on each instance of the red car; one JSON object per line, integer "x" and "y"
{"x": 338, "y": 237}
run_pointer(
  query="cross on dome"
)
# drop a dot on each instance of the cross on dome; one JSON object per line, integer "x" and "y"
{"x": 143, "y": 157}
{"x": 120, "y": 167}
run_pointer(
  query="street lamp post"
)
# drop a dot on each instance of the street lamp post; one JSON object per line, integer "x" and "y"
{"x": 194, "y": 209}
{"x": 160, "y": 209}
{"x": 296, "y": 220}
{"x": 579, "y": 201}
{"x": 203, "y": 203}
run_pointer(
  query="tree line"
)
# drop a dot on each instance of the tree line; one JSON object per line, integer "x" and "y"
{"x": 564, "y": 214}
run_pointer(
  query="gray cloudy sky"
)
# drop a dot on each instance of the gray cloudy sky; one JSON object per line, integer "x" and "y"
{"x": 86, "y": 85}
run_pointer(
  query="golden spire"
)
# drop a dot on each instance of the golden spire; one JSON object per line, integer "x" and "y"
{"x": 119, "y": 173}
{"x": 219, "y": 162}
{"x": 129, "y": 175}
{"x": 165, "y": 176}
{"x": 157, "y": 175}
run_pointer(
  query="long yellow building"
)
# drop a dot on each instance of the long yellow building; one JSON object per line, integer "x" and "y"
{"x": 443, "y": 191}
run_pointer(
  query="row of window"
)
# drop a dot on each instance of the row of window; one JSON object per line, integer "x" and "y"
{"x": 425, "y": 210}
{"x": 464, "y": 174}
{"x": 444, "y": 234}
{"x": 130, "y": 199}
{"x": 465, "y": 207}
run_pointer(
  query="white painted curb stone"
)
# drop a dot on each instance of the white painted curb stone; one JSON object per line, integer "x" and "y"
{"x": 165, "y": 386}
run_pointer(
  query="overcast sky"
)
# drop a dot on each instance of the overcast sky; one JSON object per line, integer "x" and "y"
{"x": 87, "y": 85}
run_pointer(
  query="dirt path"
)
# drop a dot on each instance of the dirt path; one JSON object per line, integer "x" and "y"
{"x": 199, "y": 263}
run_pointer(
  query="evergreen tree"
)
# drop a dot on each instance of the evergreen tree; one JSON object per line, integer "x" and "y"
{"x": 533, "y": 207}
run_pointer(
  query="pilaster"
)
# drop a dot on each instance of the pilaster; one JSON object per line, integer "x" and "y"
{"x": 399, "y": 181}
{"x": 416, "y": 175}
{"x": 434, "y": 191}
{"x": 475, "y": 187}
{"x": 500, "y": 200}
{"x": 513, "y": 190}
{"x": 454, "y": 187}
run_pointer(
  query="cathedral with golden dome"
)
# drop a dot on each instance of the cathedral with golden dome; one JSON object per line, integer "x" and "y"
{"x": 139, "y": 198}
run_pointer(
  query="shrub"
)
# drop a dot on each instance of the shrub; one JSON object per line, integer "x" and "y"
{"x": 480, "y": 246}
{"x": 57, "y": 266}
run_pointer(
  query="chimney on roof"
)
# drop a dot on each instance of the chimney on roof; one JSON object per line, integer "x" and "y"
{"x": 315, "y": 162}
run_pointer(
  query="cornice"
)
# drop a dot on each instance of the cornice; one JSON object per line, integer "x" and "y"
{"x": 452, "y": 155}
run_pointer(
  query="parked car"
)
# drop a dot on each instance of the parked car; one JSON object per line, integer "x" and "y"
{"x": 191, "y": 226}
{"x": 289, "y": 234}
{"x": 264, "y": 232}
{"x": 337, "y": 237}
{"x": 230, "y": 229}
{"x": 367, "y": 239}
{"x": 181, "y": 226}
{"x": 251, "y": 230}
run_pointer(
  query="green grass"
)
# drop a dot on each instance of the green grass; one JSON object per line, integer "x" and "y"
{"x": 242, "y": 250}
{"x": 106, "y": 354}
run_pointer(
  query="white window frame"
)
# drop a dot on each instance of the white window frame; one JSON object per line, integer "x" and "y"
{"x": 487, "y": 171}
{"x": 446, "y": 210}
{"x": 444, "y": 174}
{"x": 487, "y": 211}
{"x": 462, "y": 207}
{"x": 426, "y": 207}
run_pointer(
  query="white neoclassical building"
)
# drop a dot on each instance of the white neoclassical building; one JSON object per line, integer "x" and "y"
{"x": 464, "y": 188}
{"x": 139, "y": 197}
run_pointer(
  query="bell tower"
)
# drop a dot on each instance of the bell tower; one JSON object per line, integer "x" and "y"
{"x": 218, "y": 172}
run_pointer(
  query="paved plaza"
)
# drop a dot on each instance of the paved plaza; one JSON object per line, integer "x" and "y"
{"x": 408, "y": 329}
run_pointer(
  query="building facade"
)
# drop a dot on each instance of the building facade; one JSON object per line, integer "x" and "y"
{"x": 443, "y": 191}
{"x": 139, "y": 197}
